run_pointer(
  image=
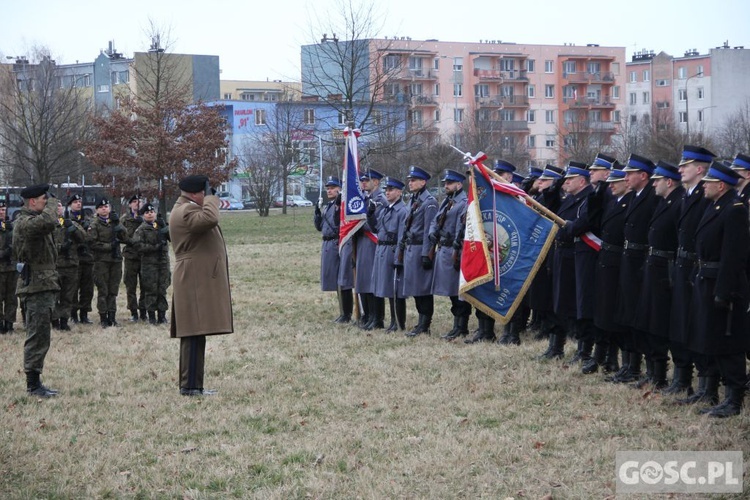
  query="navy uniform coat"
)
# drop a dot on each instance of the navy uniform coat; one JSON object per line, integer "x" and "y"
{"x": 655, "y": 304}
{"x": 722, "y": 240}
{"x": 328, "y": 224}
{"x": 540, "y": 291}
{"x": 691, "y": 211}
{"x": 564, "y": 267}
{"x": 445, "y": 276}
{"x": 417, "y": 281}
{"x": 387, "y": 223}
{"x": 366, "y": 247}
{"x": 585, "y": 258}
{"x": 633, "y": 263}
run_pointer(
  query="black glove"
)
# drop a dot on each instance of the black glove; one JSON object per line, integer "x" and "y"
{"x": 207, "y": 188}
{"x": 434, "y": 238}
{"x": 318, "y": 213}
{"x": 160, "y": 221}
{"x": 457, "y": 265}
{"x": 458, "y": 244}
{"x": 426, "y": 263}
{"x": 371, "y": 207}
{"x": 114, "y": 218}
{"x": 722, "y": 303}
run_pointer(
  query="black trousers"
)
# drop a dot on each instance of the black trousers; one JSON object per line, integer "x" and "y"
{"x": 733, "y": 370}
{"x": 192, "y": 357}
{"x": 459, "y": 308}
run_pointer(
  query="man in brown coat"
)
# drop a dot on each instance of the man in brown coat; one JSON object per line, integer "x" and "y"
{"x": 201, "y": 300}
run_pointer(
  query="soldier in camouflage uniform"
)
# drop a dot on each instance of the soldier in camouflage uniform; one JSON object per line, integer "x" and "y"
{"x": 8, "y": 274}
{"x": 68, "y": 235}
{"x": 34, "y": 248}
{"x": 106, "y": 234}
{"x": 151, "y": 240}
{"x": 131, "y": 275}
{"x": 82, "y": 298}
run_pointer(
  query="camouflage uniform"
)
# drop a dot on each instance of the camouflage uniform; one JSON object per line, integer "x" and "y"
{"x": 38, "y": 283}
{"x": 8, "y": 278}
{"x": 85, "y": 294}
{"x": 68, "y": 235}
{"x": 105, "y": 238}
{"x": 151, "y": 242}
{"x": 132, "y": 273}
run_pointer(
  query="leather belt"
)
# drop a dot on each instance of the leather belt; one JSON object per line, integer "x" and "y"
{"x": 414, "y": 242}
{"x": 611, "y": 248}
{"x": 386, "y": 243}
{"x": 708, "y": 265}
{"x": 684, "y": 254}
{"x": 629, "y": 245}
{"x": 661, "y": 253}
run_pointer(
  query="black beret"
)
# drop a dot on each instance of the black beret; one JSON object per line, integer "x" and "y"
{"x": 2, "y": 203}
{"x": 193, "y": 183}
{"x": 148, "y": 207}
{"x": 101, "y": 202}
{"x": 133, "y": 198}
{"x": 34, "y": 191}
{"x": 73, "y": 198}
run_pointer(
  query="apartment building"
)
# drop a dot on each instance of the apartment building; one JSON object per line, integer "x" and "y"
{"x": 519, "y": 95}
{"x": 260, "y": 91}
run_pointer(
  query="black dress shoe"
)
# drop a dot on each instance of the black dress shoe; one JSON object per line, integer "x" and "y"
{"x": 197, "y": 392}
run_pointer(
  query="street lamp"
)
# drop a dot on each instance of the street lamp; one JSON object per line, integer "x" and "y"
{"x": 687, "y": 114}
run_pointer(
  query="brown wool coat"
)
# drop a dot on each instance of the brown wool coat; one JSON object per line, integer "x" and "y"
{"x": 201, "y": 299}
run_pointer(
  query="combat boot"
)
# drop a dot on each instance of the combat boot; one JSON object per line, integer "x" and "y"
{"x": 510, "y": 336}
{"x": 611, "y": 363}
{"x": 557, "y": 347}
{"x": 593, "y": 363}
{"x": 646, "y": 379}
{"x": 134, "y": 315}
{"x": 707, "y": 392}
{"x": 74, "y": 315}
{"x": 104, "y": 320}
{"x": 152, "y": 317}
{"x": 143, "y": 317}
{"x": 423, "y": 326}
{"x": 84, "y": 318}
{"x": 34, "y": 386}
{"x": 451, "y": 335}
{"x": 578, "y": 356}
{"x": 682, "y": 379}
{"x": 64, "y": 324}
{"x": 732, "y": 405}
{"x": 55, "y": 324}
{"x": 161, "y": 318}
{"x": 633, "y": 371}
{"x": 112, "y": 321}
{"x": 659, "y": 375}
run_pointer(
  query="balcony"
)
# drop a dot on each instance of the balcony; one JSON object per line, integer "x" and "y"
{"x": 504, "y": 125}
{"x": 494, "y": 75}
{"x": 495, "y": 101}
{"x": 412, "y": 74}
{"x": 514, "y": 100}
{"x": 592, "y": 125}
{"x": 586, "y": 77}
{"x": 422, "y": 100}
{"x": 515, "y": 75}
{"x": 589, "y": 102}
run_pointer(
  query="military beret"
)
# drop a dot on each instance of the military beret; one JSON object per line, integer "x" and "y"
{"x": 193, "y": 183}
{"x": 34, "y": 191}
{"x": 101, "y": 202}
{"x": 73, "y": 198}
{"x": 148, "y": 207}
{"x": 2, "y": 204}
{"x": 133, "y": 198}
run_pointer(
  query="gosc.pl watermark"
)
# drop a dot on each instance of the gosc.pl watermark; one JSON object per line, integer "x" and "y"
{"x": 679, "y": 471}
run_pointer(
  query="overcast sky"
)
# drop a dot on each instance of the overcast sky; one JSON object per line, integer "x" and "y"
{"x": 259, "y": 40}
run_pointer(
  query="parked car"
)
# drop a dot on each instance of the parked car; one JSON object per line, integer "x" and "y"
{"x": 298, "y": 201}
{"x": 249, "y": 202}
{"x": 279, "y": 202}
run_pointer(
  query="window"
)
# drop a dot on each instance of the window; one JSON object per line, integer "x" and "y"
{"x": 701, "y": 93}
{"x": 646, "y": 75}
{"x": 260, "y": 116}
{"x": 507, "y": 64}
{"x": 662, "y": 104}
{"x": 416, "y": 116}
{"x": 124, "y": 76}
{"x": 482, "y": 90}
{"x": 458, "y": 90}
{"x": 615, "y": 66}
{"x": 506, "y": 90}
{"x": 377, "y": 117}
{"x": 436, "y": 64}
{"x": 682, "y": 115}
{"x": 458, "y": 64}
{"x": 437, "y": 89}
{"x": 415, "y": 89}
{"x": 549, "y": 116}
{"x": 700, "y": 115}
{"x": 699, "y": 71}
{"x": 227, "y": 95}
{"x": 102, "y": 88}
{"x": 482, "y": 115}
{"x": 87, "y": 80}
{"x": 646, "y": 98}
{"x": 633, "y": 77}
{"x": 633, "y": 119}
{"x": 415, "y": 65}
{"x": 682, "y": 72}
{"x": 616, "y": 116}
{"x": 682, "y": 95}
{"x": 531, "y": 116}
{"x": 507, "y": 115}
{"x": 531, "y": 91}
{"x": 569, "y": 91}
{"x": 342, "y": 118}
{"x": 569, "y": 67}
{"x": 616, "y": 92}
{"x": 549, "y": 66}
{"x": 390, "y": 62}
{"x": 594, "y": 68}
{"x": 662, "y": 83}
{"x": 391, "y": 89}
{"x": 633, "y": 99}
{"x": 569, "y": 116}
{"x": 549, "y": 91}
{"x": 437, "y": 115}
{"x": 309, "y": 116}
{"x": 549, "y": 141}
{"x": 595, "y": 115}
{"x": 458, "y": 115}
{"x": 532, "y": 141}
{"x": 530, "y": 65}
{"x": 115, "y": 78}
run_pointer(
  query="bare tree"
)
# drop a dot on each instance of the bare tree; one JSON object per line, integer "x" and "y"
{"x": 733, "y": 136}
{"x": 582, "y": 137}
{"x": 258, "y": 161}
{"x": 43, "y": 116}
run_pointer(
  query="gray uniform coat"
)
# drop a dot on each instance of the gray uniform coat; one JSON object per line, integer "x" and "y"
{"x": 417, "y": 281}
{"x": 327, "y": 222}
{"x": 387, "y": 223}
{"x": 445, "y": 278}
{"x": 366, "y": 248}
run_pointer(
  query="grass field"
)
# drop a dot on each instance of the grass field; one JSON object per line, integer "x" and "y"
{"x": 309, "y": 409}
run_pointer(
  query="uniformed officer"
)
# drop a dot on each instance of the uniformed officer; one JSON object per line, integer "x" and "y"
{"x": 366, "y": 241}
{"x": 446, "y": 238}
{"x": 8, "y": 274}
{"x": 81, "y": 305}
{"x": 415, "y": 238}
{"x": 328, "y": 222}
{"x": 719, "y": 320}
{"x": 741, "y": 165}
{"x": 68, "y": 235}
{"x": 131, "y": 274}
{"x": 151, "y": 241}
{"x": 34, "y": 247}
{"x": 106, "y": 234}
{"x": 385, "y": 279}
{"x": 693, "y": 167}
{"x": 504, "y": 169}
{"x": 656, "y": 295}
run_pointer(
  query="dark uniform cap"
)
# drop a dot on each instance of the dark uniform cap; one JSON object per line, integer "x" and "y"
{"x": 615, "y": 175}
{"x": 391, "y": 182}
{"x": 696, "y": 153}
{"x": 101, "y": 202}
{"x": 453, "y": 176}
{"x": 721, "y": 172}
{"x": 639, "y": 163}
{"x": 34, "y": 191}
{"x": 552, "y": 172}
{"x": 75, "y": 197}
{"x": 535, "y": 172}
{"x": 193, "y": 183}
{"x": 333, "y": 181}
{"x": 504, "y": 166}
{"x": 741, "y": 162}
{"x": 517, "y": 178}
{"x": 148, "y": 207}
{"x": 418, "y": 173}
{"x": 576, "y": 170}
{"x": 602, "y": 162}
{"x": 665, "y": 169}
{"x": 2, "y": 204}
{"x": 371, "y": 174}
{"x": 135, "y": 197}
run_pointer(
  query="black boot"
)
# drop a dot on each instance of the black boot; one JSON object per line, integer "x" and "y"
{"x": 152, "y": 317}
{"x": 104, "y": 317}
{"x": 593, "y": 363}
{"x": 377, "y": 314}
{"x": 161, "y": 318}
{"x": 56, "y": 324}
{"x": 63, "y": 322}
{"x": 423, "y": 326}
{"x": 3, "y": 330}
{"x": 550, "y": 343}
{"x": 347, "y": 306}
{"x": 453, "y": 334}
{"x": 611, "y": 364}
{"x": 112, "y": 321}
{"x": 633, "y": 371}
{"x": 707, "y": 392}
{"x": 84, "y": 318}
{"x": 647, "y": 379}
{"x": 74, "y": 315}
{"x": 483, "y": 333}
{"x": 578, "y": 356}
{"x": 366, "y": 317}
{"x": 557, "y": 343}
{"x": 682, "y": 381}
{"x": 134, "y": 315}
{"x": 8, "y": 326}
{"x": 622, "y": 370}
{"x": 511, "y": 335}
{"x": 659, "y": 375}
{"x": 34, "y": 386}
{"x": 143, "y": 315}
{"x": 732, "y": 404}
{"x": 394, "y": 324}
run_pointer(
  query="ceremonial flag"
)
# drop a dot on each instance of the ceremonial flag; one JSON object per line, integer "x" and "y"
{"x": 353, "y": 208}
{"x": 505, "y": 243}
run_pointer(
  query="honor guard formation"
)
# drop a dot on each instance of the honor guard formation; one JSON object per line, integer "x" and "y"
{"x": 650, "y": 266}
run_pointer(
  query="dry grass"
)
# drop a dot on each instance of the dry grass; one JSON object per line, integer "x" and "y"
{"x": 309, "y": 409}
